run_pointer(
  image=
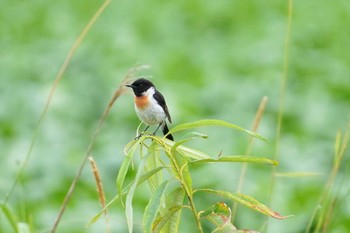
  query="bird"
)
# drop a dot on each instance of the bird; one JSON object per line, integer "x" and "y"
{"x": 150, "y": 106}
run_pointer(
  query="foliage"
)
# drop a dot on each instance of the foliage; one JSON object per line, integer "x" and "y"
{"x": 162, "y": 214}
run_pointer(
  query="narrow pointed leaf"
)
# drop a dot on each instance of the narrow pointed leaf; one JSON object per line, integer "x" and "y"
{"x": 159, "y": 224}
{"x": 130, "y": 195}
{"x": 246, "y": 201}
{"x": 183, "y": 141}
{"x": 191, "y": 153}
{"x": 171, "y": 218}
{"x": 186, "y": 151}
{"x": 152, "y": 163}
{"x": 149, "y": 174}
{"x": 220, "y": 213}
{"x": 124, "y": 192}
{"x": 153, "y": 207}
{"x": 237, "y": 158}
{"x": 185, "y": 176}
{"x": 11, "y": 218}
{"x": 226, "y": 228}
{"x": 97, "y": 216}
{"x": 124, "y": 169}
{"x": 213, "y": 122}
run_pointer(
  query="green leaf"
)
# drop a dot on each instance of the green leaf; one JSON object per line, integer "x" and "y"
{"x": 124, "y": 169}
{"x": 191, "y": 153}
{"x": 213, "y": 122}
{"x": 171, "y": 218}
{"x": 193, "y": 136}
{"x": 97, "y": 216}
{"x": 124, "y": 192}
{"x": 11, "y": 218}
{"x": 152, "y": 163}
{"x": 219, "y": 209}
{"x": 246, "y": 201}
{"x": 227, "y": 228}
{"x": 237, "y": 158}
{"x": 149, "y": 174}
{"x": 183, "y": 172}
{"x": 220, "y": 215}
{"x": 153, "y": 207}
{"x": 130, "y": 194}
{"x": 166, "y": 219}
{"x": 186, "y": 151}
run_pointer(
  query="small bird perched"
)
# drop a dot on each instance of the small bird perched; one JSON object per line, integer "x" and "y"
{"x": 150, "y": 106}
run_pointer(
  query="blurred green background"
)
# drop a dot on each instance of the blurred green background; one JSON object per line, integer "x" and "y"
{"x": 211, "y": 59}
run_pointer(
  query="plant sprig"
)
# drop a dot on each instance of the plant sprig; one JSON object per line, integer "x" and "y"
{"x": 163, "y": 212}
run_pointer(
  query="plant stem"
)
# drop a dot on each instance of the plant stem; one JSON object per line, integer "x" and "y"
{"x": 283, "y": 85}
{"x": 195, "y": 213}
{"x": 188, "y": 190}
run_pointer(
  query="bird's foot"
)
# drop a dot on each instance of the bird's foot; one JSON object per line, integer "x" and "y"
{"x": 138, "y": 136}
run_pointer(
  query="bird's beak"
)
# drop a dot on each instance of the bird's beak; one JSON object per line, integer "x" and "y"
{"x": 130, "y": 85}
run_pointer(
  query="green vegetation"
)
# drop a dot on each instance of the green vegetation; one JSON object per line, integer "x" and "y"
{"x": 212, "y": 60}
{"x": 162, "y": 213}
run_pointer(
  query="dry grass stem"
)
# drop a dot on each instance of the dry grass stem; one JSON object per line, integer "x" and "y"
{"x": 120, "y": 90}
{"x": 255, "y": 126}
{"x": 100, "y": 191}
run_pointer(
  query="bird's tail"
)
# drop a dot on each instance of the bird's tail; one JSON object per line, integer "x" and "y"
{"x": 165, "y": 131}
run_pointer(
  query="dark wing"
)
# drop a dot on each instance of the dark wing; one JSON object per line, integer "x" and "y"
{"x": 161, "y": 101}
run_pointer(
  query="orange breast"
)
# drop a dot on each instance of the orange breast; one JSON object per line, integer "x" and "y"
{"x": 141, "y": 102}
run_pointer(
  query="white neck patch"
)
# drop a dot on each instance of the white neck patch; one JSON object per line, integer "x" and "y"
{"x": 149, "y": 92}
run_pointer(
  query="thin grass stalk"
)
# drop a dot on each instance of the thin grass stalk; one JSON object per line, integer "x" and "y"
{"x": 57, "y": 80}
{"x": 328, "y": 217}
{"x": 256, "y": 123}
{"x": 60, "y": 74}
{"x": 120, "y": 90}
{"x": 324, "y": 207}
{"x": 283, "y": 85}
{"x": 282, "y": 95}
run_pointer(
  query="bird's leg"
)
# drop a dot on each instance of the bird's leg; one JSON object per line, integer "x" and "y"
{"x": 157, "y": 128}
{"x": 140, "y": 135}
{"x": 145, "y": 129}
